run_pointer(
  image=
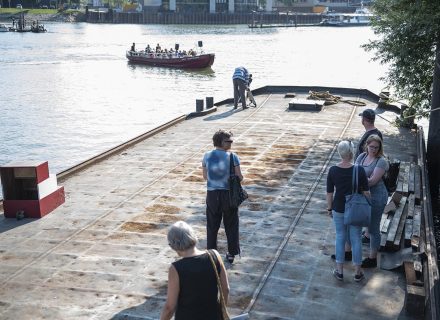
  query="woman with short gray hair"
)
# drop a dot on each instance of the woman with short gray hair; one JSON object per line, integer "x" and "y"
{"x": 192, "y": 282}
{"x": 346, "y": 149}
{"x": 181, "y": 236}
{"x": 339, "y": 185}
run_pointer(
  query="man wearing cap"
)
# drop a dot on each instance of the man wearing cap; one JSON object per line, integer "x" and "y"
{"x": 368, "y": 117}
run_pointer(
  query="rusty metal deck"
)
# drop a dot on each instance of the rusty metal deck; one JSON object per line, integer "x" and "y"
{"x": 104, "y": 253}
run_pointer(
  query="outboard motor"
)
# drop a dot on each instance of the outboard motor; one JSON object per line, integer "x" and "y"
{"x": 200, "y": 44}
{"x": 176, "y": 47}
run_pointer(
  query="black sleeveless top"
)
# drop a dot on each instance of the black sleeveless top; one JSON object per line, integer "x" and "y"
{"x": 198, "y": 289}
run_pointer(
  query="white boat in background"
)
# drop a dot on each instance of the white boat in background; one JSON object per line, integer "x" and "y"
{"x": 3, "y": 28}
{"x": 361, "y": 17}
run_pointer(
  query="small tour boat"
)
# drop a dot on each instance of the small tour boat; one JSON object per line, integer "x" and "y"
{"x": 172, "y": 60}
{"x": 193, "y": 59}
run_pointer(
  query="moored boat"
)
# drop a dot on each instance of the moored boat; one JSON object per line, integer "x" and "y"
{"x": 3, "y": 28}
{"x": 38, "y": 28}
{"x": 361, "y": 17}
{"x": 171, "y": 60}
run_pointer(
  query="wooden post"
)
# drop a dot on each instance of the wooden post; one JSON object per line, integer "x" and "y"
{"x": 199, "y": 105}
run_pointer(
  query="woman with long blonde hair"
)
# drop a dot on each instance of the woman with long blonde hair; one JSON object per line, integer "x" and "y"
{"x": 375, "y": 166}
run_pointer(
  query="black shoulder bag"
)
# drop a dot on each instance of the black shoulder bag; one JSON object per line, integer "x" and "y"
{"x": 390, "y": 176}
{"x": 236, "y": 192}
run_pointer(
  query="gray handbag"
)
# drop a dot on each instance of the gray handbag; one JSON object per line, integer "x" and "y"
{"x": 357, "y": 206}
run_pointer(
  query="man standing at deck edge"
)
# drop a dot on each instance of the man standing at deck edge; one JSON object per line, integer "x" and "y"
{"x": 240, "y": 80}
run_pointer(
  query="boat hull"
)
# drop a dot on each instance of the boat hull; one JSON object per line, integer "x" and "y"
{"x": 187, "y": 62}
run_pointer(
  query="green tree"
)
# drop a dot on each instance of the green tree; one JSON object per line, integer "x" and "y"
{"x": 409, "y": 43}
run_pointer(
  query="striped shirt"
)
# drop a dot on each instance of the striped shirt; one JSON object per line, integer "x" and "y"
{"x": 242, "y": 74}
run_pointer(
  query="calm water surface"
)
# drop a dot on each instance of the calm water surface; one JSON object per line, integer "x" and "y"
{"x": 69, "y": 94}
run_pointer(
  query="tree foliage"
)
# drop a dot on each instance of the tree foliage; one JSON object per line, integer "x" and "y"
{"x": 408, "y": 33}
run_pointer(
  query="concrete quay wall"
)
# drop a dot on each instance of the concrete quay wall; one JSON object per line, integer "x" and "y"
{"x": 202, "y": 18}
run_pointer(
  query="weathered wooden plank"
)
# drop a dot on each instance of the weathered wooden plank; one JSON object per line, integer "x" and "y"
{"x": 399, "y": 187}
{"x": 417, "y": 184}
{"x": 396, "y": 197}
{"x": 391, "y": 206}
{"x": 411, "y": 178}
{"x": 408, "y": 232}
{"x": 399, "y": 232}
{"x": 410, "y": 273}
{"x": 395, "y": 222}
{"x": 383, "y": 241}
{"x": 411, "y": 204}
{"x": 382, "y": 220}
{"x": 405, "y": 178}
{"x": 415, "y": 238}
{"x": 386, "y": 223}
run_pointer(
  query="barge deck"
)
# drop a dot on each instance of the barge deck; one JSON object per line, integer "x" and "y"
{"x": 104, "y": 253}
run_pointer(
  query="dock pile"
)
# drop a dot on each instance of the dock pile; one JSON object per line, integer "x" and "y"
{"x": 401, "y": 230}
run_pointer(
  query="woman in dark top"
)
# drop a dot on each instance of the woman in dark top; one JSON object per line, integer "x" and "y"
{"x": 340, "y": 178}
{"x": 192, "y": 282}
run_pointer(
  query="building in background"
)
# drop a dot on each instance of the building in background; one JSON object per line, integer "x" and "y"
{"x": 319, "y": 6}
{"x": 202, "y": 6}
{"x": 233, "y": 6}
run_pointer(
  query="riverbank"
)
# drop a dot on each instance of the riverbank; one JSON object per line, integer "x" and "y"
{"x": 6, "y": 15}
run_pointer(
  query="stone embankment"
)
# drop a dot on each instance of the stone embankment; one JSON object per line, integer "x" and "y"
{"x": 57, "y": 17}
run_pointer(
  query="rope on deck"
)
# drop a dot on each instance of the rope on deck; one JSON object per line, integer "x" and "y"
{"x": 333, "y": 99}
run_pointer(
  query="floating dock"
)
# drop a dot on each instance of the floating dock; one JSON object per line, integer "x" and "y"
{"x": 104, "y": 253}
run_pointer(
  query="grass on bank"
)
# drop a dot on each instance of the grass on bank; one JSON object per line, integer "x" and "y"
{"x": 29, "y": 11}
{"x": 35, "y": 11}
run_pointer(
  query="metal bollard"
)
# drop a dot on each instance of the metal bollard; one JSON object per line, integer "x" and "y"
{"x": 199, "y": 105}
{"x": 209, "y": 102}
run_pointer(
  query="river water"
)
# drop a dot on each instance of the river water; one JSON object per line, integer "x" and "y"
{"x": 69, "y": 94}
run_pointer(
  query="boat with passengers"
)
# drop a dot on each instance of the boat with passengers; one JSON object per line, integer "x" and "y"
{"x": 173, "y": 58}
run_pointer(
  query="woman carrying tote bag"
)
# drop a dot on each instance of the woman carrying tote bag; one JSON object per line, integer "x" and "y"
{"x": 216, "y": 172}
{"x": 375, "y": 166}
{"x": 192, "y": 281}
{"x": 339, "y": 185}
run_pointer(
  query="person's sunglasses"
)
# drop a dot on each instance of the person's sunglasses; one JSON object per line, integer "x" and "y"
{"x": 229, "y": 141}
